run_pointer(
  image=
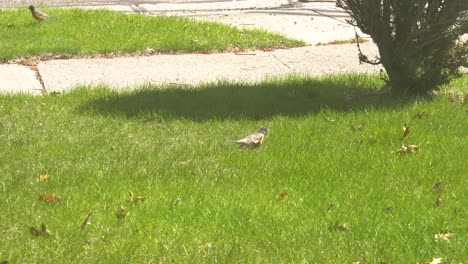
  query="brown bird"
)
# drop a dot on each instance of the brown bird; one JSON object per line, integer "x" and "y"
{"x": 38, "y": 15}
{"x": 253, "y": 140}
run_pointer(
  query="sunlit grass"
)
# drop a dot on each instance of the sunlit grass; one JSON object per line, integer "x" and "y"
{"x": 325, "y": 187}
{"x": 75, "y": 32}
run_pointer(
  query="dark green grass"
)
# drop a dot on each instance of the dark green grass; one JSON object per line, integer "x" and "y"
{"x": 330, "y": 147}
{"x": 83, "y": 32}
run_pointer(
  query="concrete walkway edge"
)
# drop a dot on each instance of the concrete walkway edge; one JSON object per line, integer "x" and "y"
{"x": 312, "y": 22}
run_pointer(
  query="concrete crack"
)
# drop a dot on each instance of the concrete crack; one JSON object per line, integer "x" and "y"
{"x": 35, "y": 69}
{"x": 281, "y": 61}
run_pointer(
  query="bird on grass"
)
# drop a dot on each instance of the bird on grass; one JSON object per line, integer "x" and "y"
{"x": 38, "y": 15}
{"x": 253, "y": 140}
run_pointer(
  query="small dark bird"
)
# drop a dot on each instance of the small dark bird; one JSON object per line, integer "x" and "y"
{"x": 38, "y": 15}
{"x": 253, "y": 140}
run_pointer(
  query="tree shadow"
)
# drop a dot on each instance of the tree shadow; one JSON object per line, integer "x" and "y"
{"x": 292, "y": 96}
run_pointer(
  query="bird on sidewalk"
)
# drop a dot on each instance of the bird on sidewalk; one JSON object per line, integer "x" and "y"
{"x": 38, "y": 15}
{"x": 253, "y": 140}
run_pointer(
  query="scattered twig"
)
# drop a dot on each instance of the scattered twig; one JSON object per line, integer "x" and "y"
{"x": 86, "y": 220}
{"x": 280, "y": 61}
{"x": 362, "y": 57}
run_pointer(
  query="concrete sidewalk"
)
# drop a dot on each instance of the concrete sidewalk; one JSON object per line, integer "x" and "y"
{"x": 312, "y": 22}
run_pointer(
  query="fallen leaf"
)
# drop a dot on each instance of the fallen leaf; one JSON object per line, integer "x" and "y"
{"x": 437, "y": 187}
{"x": 402, "y": 150}
{"x": 149, "y": 51}
{"x": 45, "y": 231}
{"x": 86, "y": 220}
{"x": 49, "y": 198}
{"x": 435, "y": 261}
{"x": 176, "y": 201}
{"x": 358, "y": 127}
{"x": 420, "y": 115}
{"x": 282, "y": 195}
{"x": 34, "y": 231}
{"x": 413, "y": 148}
{"x": 444, "y": 236}
{"x": 44, "y": 176}
{"x": 406, "y": 130}
{"x": 344, "y": 227}
{"x": 139, "y": 198}
{"x": 408, "y": 149}
{"x": 206, "y": 247}
{"x": 339, "y": 226}
{"x": 389, "y": 208}
{"x": 121, "y": 212}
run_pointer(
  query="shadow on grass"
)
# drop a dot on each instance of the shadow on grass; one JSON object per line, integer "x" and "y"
{"x": 291, "y": 96}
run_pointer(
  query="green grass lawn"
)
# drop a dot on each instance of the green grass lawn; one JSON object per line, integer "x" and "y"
{"x": 325, "y": 187}
{"x": 75, "y": 32}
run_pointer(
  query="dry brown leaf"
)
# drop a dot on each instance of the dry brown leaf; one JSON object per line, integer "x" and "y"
{"x": 444, "y": 236}
{"x": 413, "y": 148}
{"x": 358, "y": 127}
{"x": 34, "y": 231}
{"x": 45, "y": 231}
{"x": 121, "y": 213}
{"x": 406, "y": 130}
{"x": 344, "y": 227}
{"x": 282, "y": 195}
{"x": 420, "y": 115}
{"x": 402, "y": 150}
{"x": 176, "y": 201}
{"x": 43, "y": 177}
{"x": 337, "y": 226}
{"x": 139, "y": 198}
{"x": 49, "y": 198}
{"x": 437, "y": 187}
{"x": 408, "y": 149}
{"x": 205, "y": 247}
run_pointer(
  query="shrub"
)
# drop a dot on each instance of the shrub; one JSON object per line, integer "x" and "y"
{"x": 419, "y": 41}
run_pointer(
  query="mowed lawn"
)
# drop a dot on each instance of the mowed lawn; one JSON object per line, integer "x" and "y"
{"x": 327, "y": 185}
{"x": 76, "y": 32}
